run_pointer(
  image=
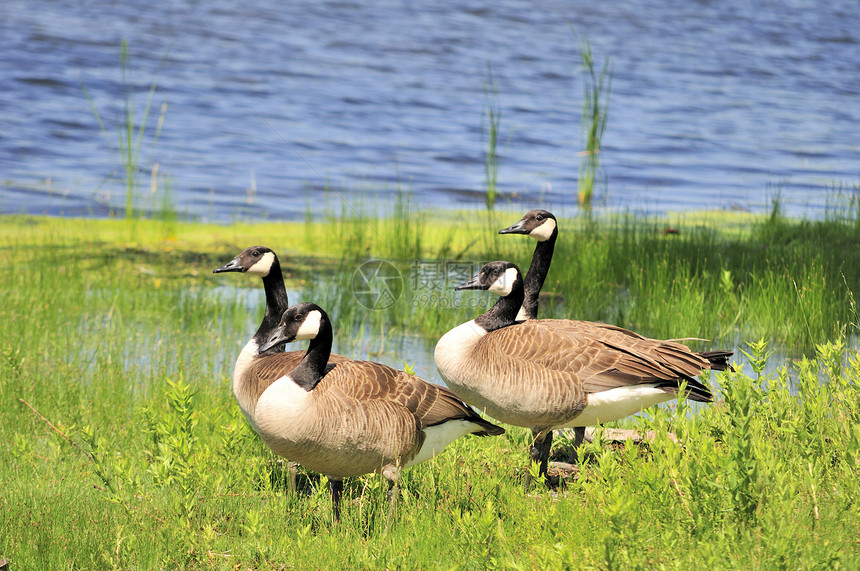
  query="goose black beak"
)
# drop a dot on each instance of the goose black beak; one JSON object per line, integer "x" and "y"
{"x": 517, "y": 228}
{"x": 231, "y": 266}
{"x": 278, "y": 337}
{"x": 474, "y": 283}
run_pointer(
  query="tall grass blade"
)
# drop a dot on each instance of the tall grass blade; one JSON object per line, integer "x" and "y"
{"x": 130, "y": 129}
{"x": 595, "y": 113}
{"x": 492, "y": 124}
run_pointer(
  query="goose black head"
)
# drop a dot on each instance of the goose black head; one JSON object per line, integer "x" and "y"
{"x": 498, "y": 277}
{"x": 299, "y": 322}
{"x": 539, "y": 224}
{"x": 256, "y": 260}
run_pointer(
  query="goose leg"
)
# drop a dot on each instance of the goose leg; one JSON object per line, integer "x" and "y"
{"x": 540, "y": 448}
{"x": 391, "y": 473}
{"x": 336, "y": 487}
{"x": 293, "y": 469}
{"x": 578, "y": 438}
{"x": 393, "y": 496}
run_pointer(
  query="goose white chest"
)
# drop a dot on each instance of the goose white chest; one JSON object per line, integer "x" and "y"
{"x": 243, "y": 362}
{"x": 452, "y": 353}
{"x": 280, "y": 409}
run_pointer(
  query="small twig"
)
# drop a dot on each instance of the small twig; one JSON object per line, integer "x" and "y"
{"x": 683, "y": 499}
{"x": 89, "y": 455}
{"x": 57, "y": 430}
{"x": 149, "y": 513}
{"x": 814, "y": 495}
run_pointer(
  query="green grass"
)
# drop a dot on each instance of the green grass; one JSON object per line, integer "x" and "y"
{"x": 125, "y": 344}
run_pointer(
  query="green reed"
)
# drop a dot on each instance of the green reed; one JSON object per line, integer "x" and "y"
{"x": 130, "y": 131}
{"x": 597, "y": 89}
{"x": 491, "y": 125}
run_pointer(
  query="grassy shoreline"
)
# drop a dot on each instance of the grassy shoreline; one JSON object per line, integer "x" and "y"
{"x": 727, "y": 276}
{"x": 117, "y": 334}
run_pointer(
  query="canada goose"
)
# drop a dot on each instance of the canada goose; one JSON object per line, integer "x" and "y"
{"x": 254, "y": 370}
{"x": 552, "y": 373}
{"x": 543, "y": 227}
{"x": 360, "y": 416}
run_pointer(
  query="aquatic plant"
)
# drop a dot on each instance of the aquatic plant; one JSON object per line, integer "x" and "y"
{"x": 595, "y": 112}
{"x": 491, "y": 124}
{"x": 130, "y": 130}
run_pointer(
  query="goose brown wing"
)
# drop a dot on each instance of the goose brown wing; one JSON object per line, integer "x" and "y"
{"x": 591, "y": 326}
{"x": 667, "y": 363}
{"x": 597, "y": 356}
{"x": 440, "y": 405}
{"x": 429, "y": 404}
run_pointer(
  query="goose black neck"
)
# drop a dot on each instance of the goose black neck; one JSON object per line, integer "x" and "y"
{"x": 276, "y": 304}
{"x": 311, "y": 368}
{"x": 504, "y": 312}
{"x": 538, "y": 270}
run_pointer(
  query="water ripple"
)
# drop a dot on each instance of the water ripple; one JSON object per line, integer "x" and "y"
{"x": 713, "y": 103}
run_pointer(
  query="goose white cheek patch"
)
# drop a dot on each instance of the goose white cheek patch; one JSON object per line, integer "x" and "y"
{"x": 310, "y": 327}
{"x": 264, "y": 266}
{"x": 544, "y": 231}
{"x": 505, "y": 283}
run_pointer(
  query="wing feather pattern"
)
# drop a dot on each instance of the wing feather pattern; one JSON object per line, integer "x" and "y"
{"x": 598, "y": 357}
{"x": 426, "y": 403}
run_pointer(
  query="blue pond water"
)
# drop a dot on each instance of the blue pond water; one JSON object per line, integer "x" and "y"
{"x": 714, "y": 104}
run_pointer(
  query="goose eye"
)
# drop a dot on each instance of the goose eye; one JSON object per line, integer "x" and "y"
{"x": 539, "y": 217}
{"x": 256, "y": 253}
